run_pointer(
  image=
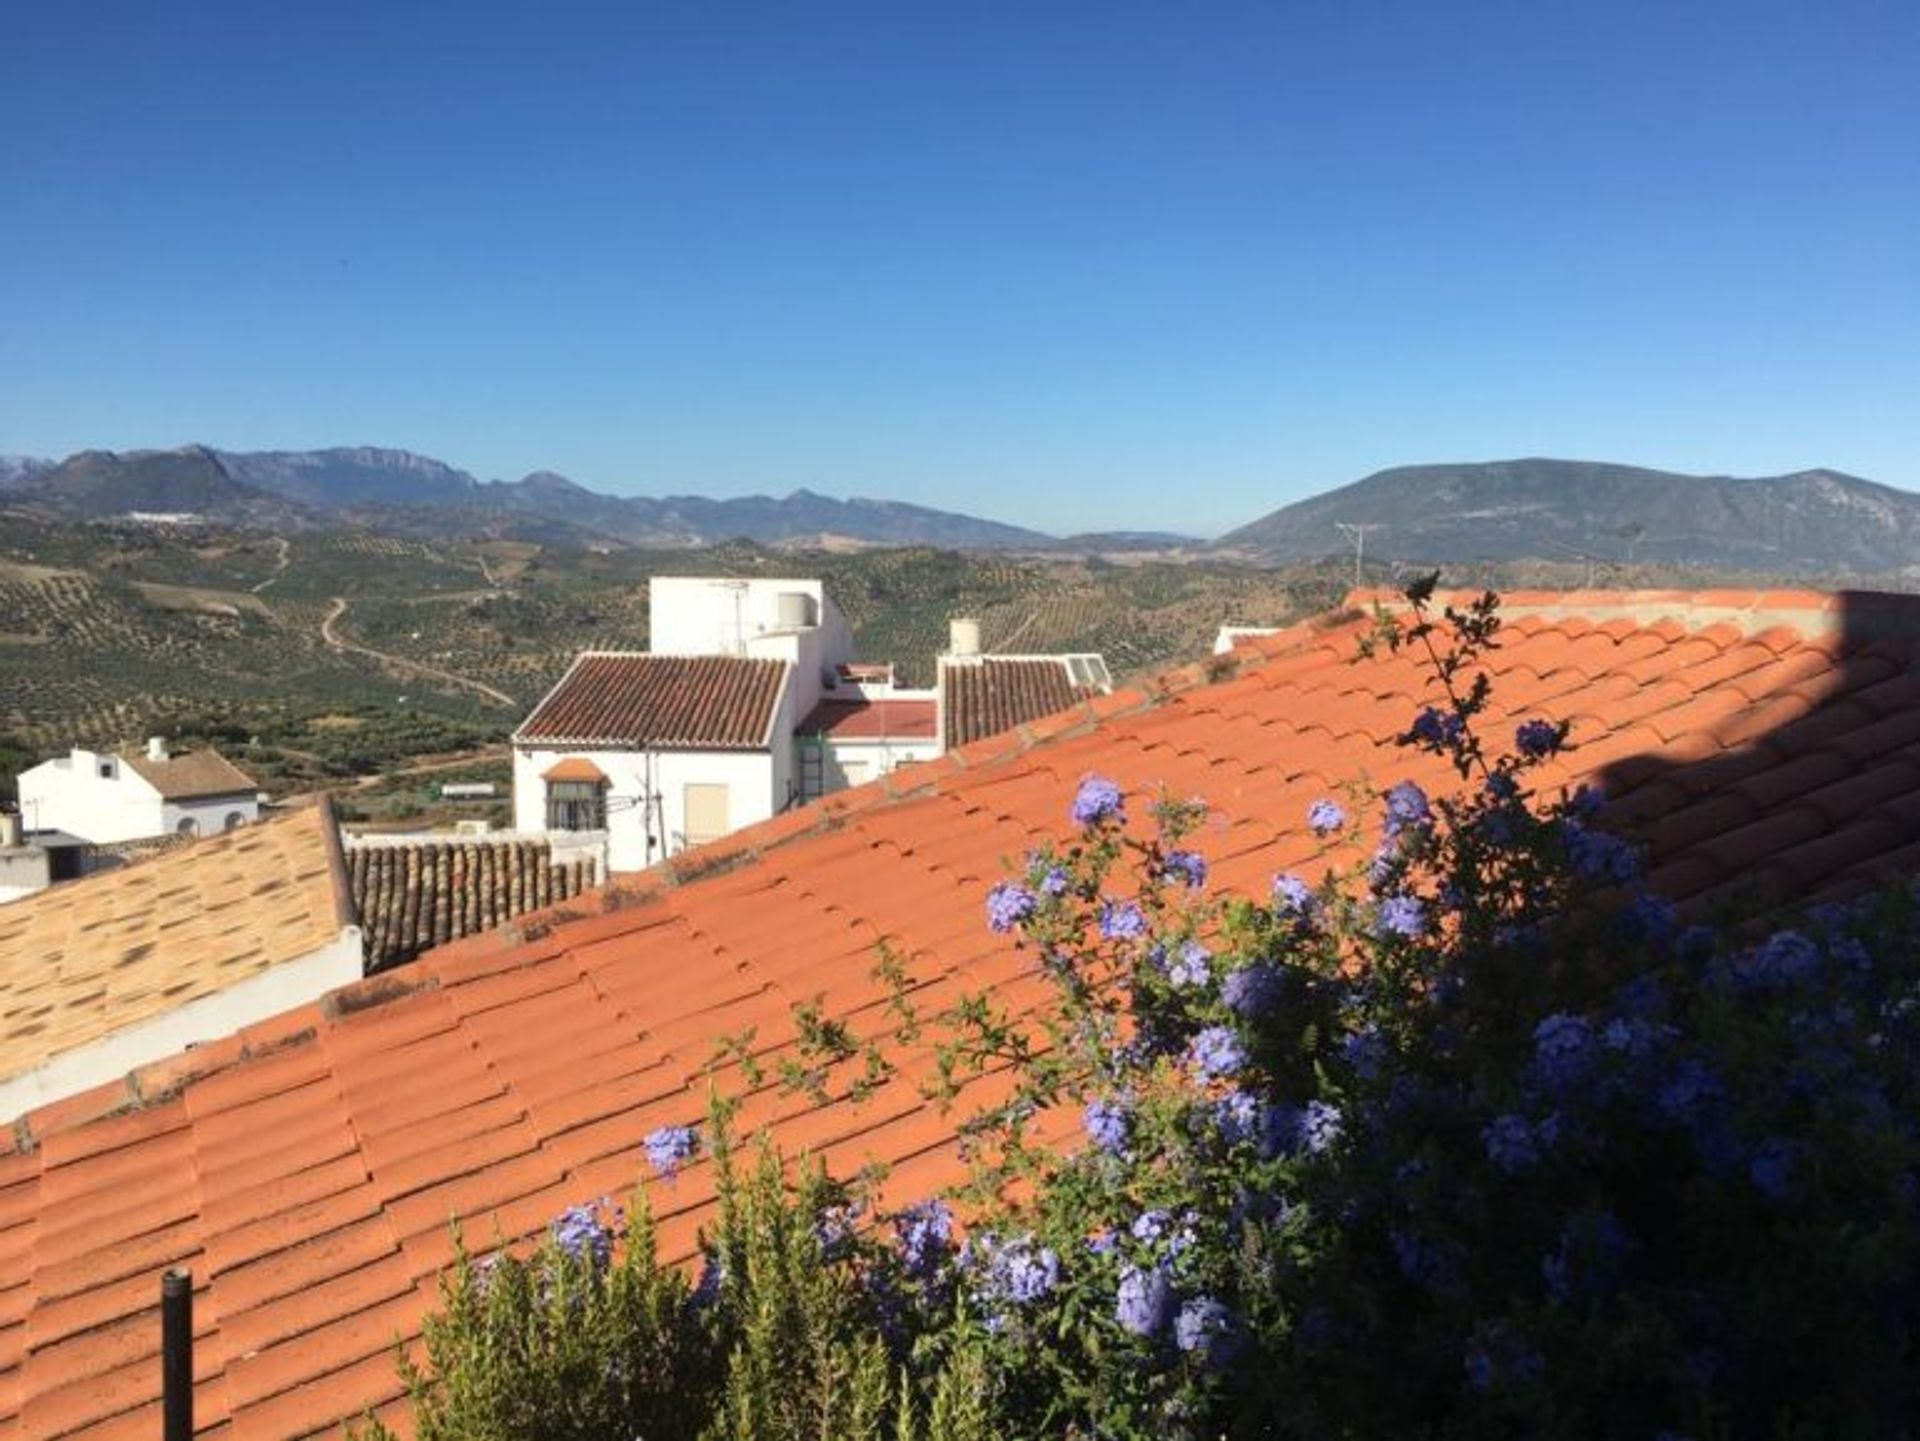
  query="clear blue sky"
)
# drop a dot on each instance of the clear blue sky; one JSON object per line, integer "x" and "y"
{"x": 1068, "y": 265}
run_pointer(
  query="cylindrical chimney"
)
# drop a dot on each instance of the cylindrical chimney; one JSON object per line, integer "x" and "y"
{"x": 11, "y": 835}
{"x": 963, "y": 636}
{"x": 156, "y": 748}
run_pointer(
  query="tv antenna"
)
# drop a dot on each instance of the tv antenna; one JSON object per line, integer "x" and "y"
{"x": 1357, "y": 532}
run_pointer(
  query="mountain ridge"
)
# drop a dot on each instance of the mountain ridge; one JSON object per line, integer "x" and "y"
{"x": 1810, "y": 522}
{"x": 401, "y": 490}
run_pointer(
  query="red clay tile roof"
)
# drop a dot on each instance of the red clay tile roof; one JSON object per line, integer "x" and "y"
{"x": 987, "y": 697}
{"x": 873, "y": 720}
{"x": 415, "y": 895}
{"x": 193, "y": 775}
{"x": 306, "y": 1169}
{"x": 610, "y": 698}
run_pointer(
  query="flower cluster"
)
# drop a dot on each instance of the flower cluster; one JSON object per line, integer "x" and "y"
{"x": 670, "y": 1147}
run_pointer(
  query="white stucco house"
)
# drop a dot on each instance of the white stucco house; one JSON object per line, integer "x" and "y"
{"x": 99, "y": 797}
{"x": 749, "y": 701}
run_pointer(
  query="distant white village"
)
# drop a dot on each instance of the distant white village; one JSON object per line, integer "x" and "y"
{"x": 750, "y": 700}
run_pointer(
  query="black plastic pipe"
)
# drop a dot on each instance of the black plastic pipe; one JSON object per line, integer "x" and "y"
{"x": 176, "y": 1354}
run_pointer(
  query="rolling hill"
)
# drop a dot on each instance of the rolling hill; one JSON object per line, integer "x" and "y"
{"x": 1815, "y": 523}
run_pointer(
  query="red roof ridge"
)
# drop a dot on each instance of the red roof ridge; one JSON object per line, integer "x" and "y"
{"x": 1811, "y": 614}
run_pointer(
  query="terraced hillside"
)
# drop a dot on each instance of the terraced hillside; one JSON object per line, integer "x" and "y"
{"x": 319, "y": 655}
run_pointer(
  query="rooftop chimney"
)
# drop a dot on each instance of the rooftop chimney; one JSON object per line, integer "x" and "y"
{"x": 963, "y": 636}
{"x": 156, "y": 748}
{"x": 11, "y": 837}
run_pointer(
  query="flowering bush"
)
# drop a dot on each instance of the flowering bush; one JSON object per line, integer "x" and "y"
{"x": 1471, "y": 1138}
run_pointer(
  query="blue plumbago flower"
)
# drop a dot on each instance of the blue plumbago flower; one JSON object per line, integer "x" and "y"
{"x": 1192, "y": 966}
{"x": 1687, "y": 1092}
{"x": 1293, "y": 896}
{"x": 1772, "y": 1168}
{"x": 1633, "y": 1036}
{"x": 1143, "y": 1299}
{"x": 1784, "y": 959}
{"x": 1365, "y": 1050}
{"x": 1319, "y": 1125}
{"x": 1098, "y": 799}
{"x": 582, "y": 1234}
{"x": 1018, "y": 1270}
{"x": 1109, "y": 1124}
{"x": 1215, "y": 1052}
{"x": 1599, "y": 855}
{"x": 1122, "y": 921}
{"x": 1008, "y": 904}
{"x": 1252, "y": 990}
{"x": 1586, "y": 801}
{"x": 1237, "y": 1116}
{"x": 1436, "y": 729}
{"x": 1160, "y": 1230}
{"x": 1325, "y": 817}
{"x": 925, "y": 1233}
{"x": 1402, "y": 916}
{"x": 1187, "y": 867}
{"x": 1562, "y": 1048}
{"x": 669, "y": 1148}
{"x": 1054, "y": 882}
{"x": 1422, "y": 1262}
{"x": 1651, "y": 919}
{"x": 1502, "y": 787}
{"x": 1206, "y": 1328}
{"x": 1510, "y": 1143}
{"x": 1406, "y": 807}
{"x": 1538, "y": 739}
{"x": 835, "y": 1227}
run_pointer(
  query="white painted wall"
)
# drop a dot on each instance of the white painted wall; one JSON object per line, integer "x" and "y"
{"x": 877, "y": 757}
{"x": 755, "y": 791}
{"x": 708, "y": 615}
{"x": 283, "y": 987}
{"x": 90, "y": 794}
{"x": 209, "y": 816}
{"x": 70, "y": 793}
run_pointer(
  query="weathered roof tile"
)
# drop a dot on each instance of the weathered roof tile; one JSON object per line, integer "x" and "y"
{"x": 634, "y": 698}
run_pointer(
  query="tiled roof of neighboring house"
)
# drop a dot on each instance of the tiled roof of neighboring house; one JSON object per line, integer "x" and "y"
{"x": 96, "y": 957}
{"x": 415, "y": 895}
{"x": 615, "y": 698}
{"x": 191, "y": 776}
{"x": 873, "y": 720}
{"x": 989, "y": 696}
{"x": 305, "y": 1169}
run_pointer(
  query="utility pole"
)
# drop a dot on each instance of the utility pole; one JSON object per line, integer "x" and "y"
{"x": 1358, "y": 534}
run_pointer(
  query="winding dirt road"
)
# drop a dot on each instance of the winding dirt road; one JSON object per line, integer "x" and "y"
{"x": 334, "y": 640}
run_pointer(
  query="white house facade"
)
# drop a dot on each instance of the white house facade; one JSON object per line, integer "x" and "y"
{"x": 751, "y": 701}
{"x": 101, "y": 798}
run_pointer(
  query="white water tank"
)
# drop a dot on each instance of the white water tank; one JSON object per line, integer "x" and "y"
{"x": 11, "y": 836}
{"x": 793, "y": 609}
{"x": 156, "y": 748}
{"x": 963, "y": 636}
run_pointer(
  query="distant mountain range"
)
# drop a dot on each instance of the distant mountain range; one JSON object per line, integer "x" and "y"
{"x": 415, "y": 494}
{"x": 1813, "y": 523}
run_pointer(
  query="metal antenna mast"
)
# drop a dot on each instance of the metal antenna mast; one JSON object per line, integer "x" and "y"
{"x": 1358, "y": 533}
